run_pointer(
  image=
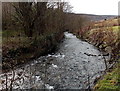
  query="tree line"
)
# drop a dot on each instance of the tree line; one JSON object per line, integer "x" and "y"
{"x": 34, "y": 17}
{"x": 37, "y": 18}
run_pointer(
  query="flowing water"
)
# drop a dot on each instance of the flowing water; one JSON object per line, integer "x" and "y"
{"x": 75, "y": 65}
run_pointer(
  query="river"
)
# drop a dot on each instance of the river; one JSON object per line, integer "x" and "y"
{"x": 75, "y": 65}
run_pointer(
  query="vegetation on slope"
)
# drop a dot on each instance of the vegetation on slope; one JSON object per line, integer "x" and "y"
{"x": 111, "y": 80}
{"x": 105, "y": 35}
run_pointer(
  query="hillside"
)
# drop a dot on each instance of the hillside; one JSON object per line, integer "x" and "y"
{"x": 92, "y": 17}
{"x": 97, "y": 17}
{"x": 105, "y": 36}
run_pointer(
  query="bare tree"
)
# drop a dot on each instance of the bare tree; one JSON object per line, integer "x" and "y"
{"x": 25, "y": 16}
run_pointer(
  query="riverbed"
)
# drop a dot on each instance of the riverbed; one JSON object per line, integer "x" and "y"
{"x": 76, "y": 65}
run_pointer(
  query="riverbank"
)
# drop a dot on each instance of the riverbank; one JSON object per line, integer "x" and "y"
{"x": 110, "y": 81}
{"x": 20, "y": 50}
{"x": 106, "y": 39}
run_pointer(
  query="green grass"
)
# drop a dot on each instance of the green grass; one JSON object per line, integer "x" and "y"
{"x": 11, "y": 33}
{"x": 109, "y": 81}
{"x": 116, "y": 29}
{"x": 15, "y": 39}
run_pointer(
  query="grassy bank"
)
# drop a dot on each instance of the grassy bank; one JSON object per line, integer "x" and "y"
{"x": 104, "y": 35}
{"x": 110, "y": 82}
{"x": 21, "y": 49}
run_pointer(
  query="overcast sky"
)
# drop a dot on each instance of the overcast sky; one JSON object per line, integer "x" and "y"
{"x": 99, "y": 7}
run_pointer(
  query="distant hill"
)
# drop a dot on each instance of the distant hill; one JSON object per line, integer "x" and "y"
{"x": 92, "y": 17}
{"x": 98, "y": 17}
